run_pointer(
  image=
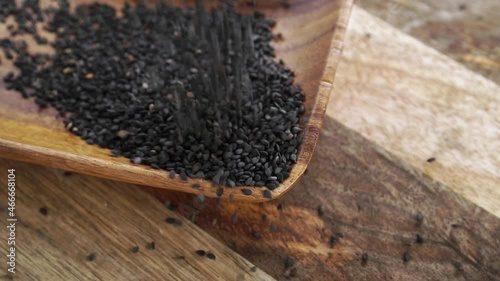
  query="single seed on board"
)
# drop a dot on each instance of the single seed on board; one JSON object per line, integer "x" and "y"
{"x": 196, "y": 185}
{"x": 406, "y": 256}
{"x": 174, "y": 221}
{"x": 219, "y": 191}
{"x": 44, "y": 211}
{"x": 364, "y": 257}
{"x": 152, "y": 245}
{"x": 289, "y": 262}
{"x": 246, "y": 191}
{"x": 420, "y": 238}
{"x": 92, "y": 257}
{"x": 135, "y": 249}
{"x": 211, "y": 256}
{"x": 280, "y": 206}
{"x": 274, "y": 227}
{"x": 200, "y": 253}
{"x": 321, "y": 210}
{"x": 267, "y": 193}
{"x": 432, "y": 159}
{"x": 257, "y": 234}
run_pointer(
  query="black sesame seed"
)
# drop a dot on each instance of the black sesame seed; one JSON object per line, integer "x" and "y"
{"x": 406, "y": 256}
{"x": 267, "y": 193}
{"x": 280, "y": 206}
{"x": 174, "y": 221}
{"x": 219, "y": 191}
{"x": 211, "y": 256}
{"x": 364, "y": 257}
{"x": 201, "y": 253}
{"x": 44, "y": 211}
{"x": 92, "y": 257}
{"x": 135, "y": 249}
{"x": 234, "y": 217}
{"x": 420, "y": 238}
{"x": 152, "y": 245}
{"x": 253, "y": 269}
{"x": 246, "y": 191}
{"x": 321, "y": 210}
{"x": 289, "y": 262}
{"x": 333, "y": 241}
{"x": 274, "y": 227}
{"x": 458, "y": 265}
{"x": 196, "y": 186}
{"x": 257, "y": 234}
{"x": 419, "y": 217}
{"x": 264, "y": 217}
{"x": 171, "y": 174}
{"x": 67, "y": 173}
{"x": 340, "y": 234}
{"x": 432, "y": 159}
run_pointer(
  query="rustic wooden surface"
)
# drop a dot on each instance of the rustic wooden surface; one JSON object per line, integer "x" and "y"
{"x": 417, "y": 104}
{"x": 467, "y": 31}
{"x": 91, "y": 215}
{"x": 313, "y": 34}
{"x": 372, "y": 193}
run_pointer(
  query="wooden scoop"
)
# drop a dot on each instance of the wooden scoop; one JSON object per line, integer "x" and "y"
{"x": 312, "y": 32}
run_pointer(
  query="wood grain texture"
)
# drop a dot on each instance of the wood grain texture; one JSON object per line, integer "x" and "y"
{"x": 91, "y": 215}
{"x": 417, "y": 103}
{"x": 369, "y": 194}
{"x": 467, "y": 31}
{"x": 373, "y": 198}
{"x": 313, "y": 33}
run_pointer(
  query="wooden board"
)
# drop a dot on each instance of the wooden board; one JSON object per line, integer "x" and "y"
{"x": 467, "y": 31}
{"x": 418, "y": 104}
{"x": 313, "y": 34}
{"x": 90, "y": 215}
{"x": 369, "y": 193}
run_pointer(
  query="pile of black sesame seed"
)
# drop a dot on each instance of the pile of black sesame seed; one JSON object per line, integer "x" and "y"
{"x": 184, "y": 89}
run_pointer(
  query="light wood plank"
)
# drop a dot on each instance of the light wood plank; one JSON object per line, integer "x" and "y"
{"x": 417, "y": 103}
{"x": 87, "y": 215}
